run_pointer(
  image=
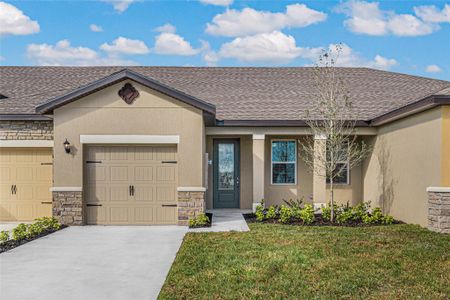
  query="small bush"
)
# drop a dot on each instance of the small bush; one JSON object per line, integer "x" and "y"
{"x": 199, "y": 221}
{"x": 20, "y": 232}
{"x": 286, "y": 214}
{"x": 271, "y": 213}
{"x": 48, "y": 223}
{"x": 326, "y": 212}
{"x": 259, "y": 213}
{"x": 307, "y": 214}
{"x": 4, "y": 236}
{"x": 294, "y": 203}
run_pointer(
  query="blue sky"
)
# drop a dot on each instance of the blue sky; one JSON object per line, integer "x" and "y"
{"x": 403, "y": 36}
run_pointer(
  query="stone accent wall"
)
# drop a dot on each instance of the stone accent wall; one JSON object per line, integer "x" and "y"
{"x": 190, "y": 204}
{"x": 439, "y": 210}
{"x": 68, "y": 207}
{"x": 26, "y": 130}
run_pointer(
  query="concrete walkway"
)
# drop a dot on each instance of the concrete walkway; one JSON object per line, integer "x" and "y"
{"x": 91, "y": 262}
{"x": 9, "y": 226}
{"x": 224, "y": 220}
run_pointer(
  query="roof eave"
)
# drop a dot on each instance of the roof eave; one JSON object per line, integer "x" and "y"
{"x": 410, "y": 109}
{"x": 25, "y": 117}
{"x": 122, "y": 75}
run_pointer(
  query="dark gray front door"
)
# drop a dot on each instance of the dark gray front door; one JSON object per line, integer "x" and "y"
{"x": 226, "y": 173}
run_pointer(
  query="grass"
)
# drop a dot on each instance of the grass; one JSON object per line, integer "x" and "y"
{"x": 295, "y": 262}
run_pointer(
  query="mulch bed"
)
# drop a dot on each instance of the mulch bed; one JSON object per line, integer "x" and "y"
{"x": 318, "y": 221}
{"x": 210, "y": 216}
{"x": 13, "y": 244}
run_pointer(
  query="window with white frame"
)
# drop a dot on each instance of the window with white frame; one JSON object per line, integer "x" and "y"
{"x": 342, "y": 167}
{"x": 284, "y": 161}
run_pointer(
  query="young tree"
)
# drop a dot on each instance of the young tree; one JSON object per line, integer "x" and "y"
{"x": 332, "y": 119}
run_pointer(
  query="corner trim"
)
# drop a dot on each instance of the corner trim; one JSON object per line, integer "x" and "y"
{"x": 258, "y": 136}
{"x": 191, "y": 189}
{"x": 438, "y": 189}
{"x": 26, "y": 143}
{"x": 129, "y": 139}
{"x": 66, "y": 189}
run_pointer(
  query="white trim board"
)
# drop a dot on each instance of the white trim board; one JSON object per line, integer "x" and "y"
{"x": 26, "y": 143}
{"x": 129, "y": 139}
{"x": 438, "y": 189}
{"x": 191, "y": 189}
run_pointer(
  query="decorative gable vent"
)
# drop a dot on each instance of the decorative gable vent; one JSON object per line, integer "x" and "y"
{"x": 128, "y": 93}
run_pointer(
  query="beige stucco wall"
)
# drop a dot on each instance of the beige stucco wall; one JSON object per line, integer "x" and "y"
{"x": 152, "y": 113}
{"x": 445, "y": 164}
{"x": 246, "y": 178}
{"x": 275, "y": 194}
{"x": 405, "y": 161}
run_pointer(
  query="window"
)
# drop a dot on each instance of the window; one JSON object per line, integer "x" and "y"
{"x": 342, "y": 167}
{"x": 284, "y": 162}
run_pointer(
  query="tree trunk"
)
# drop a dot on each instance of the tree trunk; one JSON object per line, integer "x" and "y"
{"x": 331, "y": 200}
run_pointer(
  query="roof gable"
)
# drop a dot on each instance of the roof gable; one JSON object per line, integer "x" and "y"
{"x": 114, "y": 78}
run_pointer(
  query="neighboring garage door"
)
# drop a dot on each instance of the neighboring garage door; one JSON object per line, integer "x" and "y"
{"x": 131, "y": 185}
{"x": 25, "y": 182}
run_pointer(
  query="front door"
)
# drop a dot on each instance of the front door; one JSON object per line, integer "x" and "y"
{"x": 226, "y": 173}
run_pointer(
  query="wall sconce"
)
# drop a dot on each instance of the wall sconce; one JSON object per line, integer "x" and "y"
{"x": 67, "y": 146}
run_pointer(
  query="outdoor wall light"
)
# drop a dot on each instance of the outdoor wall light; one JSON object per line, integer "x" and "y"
{"x": 67, "y": 146}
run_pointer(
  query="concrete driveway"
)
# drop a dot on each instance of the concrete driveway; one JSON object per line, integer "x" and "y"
{"x": 91, "y": 262}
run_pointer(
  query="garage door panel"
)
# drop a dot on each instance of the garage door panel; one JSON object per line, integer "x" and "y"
{"x": 143, "y": 173}
{"x": 6, "y": 212}
{"x": 165, "y": 173}
{"x": 25, "y": 174}
{"x": 165, "y": 194}
{"x": 25, "y": 156}
{"x": 44, "y": 174}
{"x": 119, "y": 193}
{"x": 144, "y": 193}
{"x": 143, "y": 214}
{"x": 143, "y": 153}
{"x": 5, "y": 193}
{"x": 165, "y": 215}
{"x": 119, "y": 214}
{"x": 96, "y": 173}
{"x": 118, "y": 154}
{"x": 25, "y": 212}
{"x": 119, "y": 173}
{"x": 95, "y": 194}
{"x": 5, "y": 174}
{"x": 165, "y": 153}
{"x": 25, "y": 192}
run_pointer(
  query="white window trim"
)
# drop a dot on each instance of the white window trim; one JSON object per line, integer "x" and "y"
{"x": 272, "y": 162}
{"x": 347, "y": 162}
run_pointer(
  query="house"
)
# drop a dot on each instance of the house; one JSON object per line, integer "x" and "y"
{"x": 155, "y": 145}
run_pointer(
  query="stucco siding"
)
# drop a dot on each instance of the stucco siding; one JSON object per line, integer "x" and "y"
{"x": 246, "y": 170}
{"x": 405, "y": 161}
{"x": 105, "y": 113}
{"x": 445, "y": 170}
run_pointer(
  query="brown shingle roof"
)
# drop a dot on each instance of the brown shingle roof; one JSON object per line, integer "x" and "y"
{"x": 238, "y": 93}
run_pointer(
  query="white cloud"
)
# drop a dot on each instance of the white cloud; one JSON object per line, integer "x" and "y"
{"x": 429, "y": 13}
{"x": 383, "y": 63}
{"x": 14, "y": 22}
{"x": 63, "y": 54}
{"x": 433, "y": 69}
{"x": 168, "y": 28}
{"x": 275, "y": 47}
{"x": 95, "y": 28}
{"x": 125, "y": 46}
{"x": 368, "y": 18}
{"x": 249, "y": 21}
{"x": 120, "y": 5}
{"x": 217, "y": 2}
{"x": 170, "y": 43}
{"x": 2, "y": 58}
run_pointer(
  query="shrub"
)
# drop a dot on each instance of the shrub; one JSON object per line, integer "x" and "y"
{"x": 199, "y": 221}
{"x": 4, "y": 236}
{"x": 294, "y": 203}
{"x": 20, "y": 232}
{"x": 271, "y": 212}
{"x": 377, "y": 217}
{"x": 307, "y": 214}
{"x": 259, "y": 213}
{"x": 388, "y": 220}
{"x": 286, "y": 214}
{"x": 344, "y": 215}
{"x": 48, "y": 223}
{"x": 326, "y": 212}
{"x": 34, "y": 229}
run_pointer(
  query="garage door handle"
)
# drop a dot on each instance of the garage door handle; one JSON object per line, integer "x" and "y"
{"x": 93, "y": 161}
{"x": 93, "y": 205}
{"x": 169, "y": 162}
{"x": 169, "y": 205}
{"x": 46, "y": 202}
{"x": 15, "y": 190}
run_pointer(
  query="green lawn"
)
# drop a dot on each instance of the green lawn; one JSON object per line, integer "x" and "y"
{"x": 294, "y": 262}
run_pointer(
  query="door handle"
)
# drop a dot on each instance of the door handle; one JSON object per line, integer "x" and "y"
{"x": 237, "y": 181}
{"x": 12, "y": 189}
{"x": 132, "y": 190}
{"x": 15, "y": 189}
{"x": 129, "y": 190}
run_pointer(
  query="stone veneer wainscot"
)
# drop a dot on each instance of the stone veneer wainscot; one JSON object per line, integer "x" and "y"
{"x": 439, "y": 209}
{"x": 191, "y": 203}
{"x": 68, "y": 207}
{"x": 26, "y": 130}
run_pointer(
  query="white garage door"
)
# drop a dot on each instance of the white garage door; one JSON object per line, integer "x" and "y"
{"x": 25, "y": 181}
{"x": 131, "y": 185}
